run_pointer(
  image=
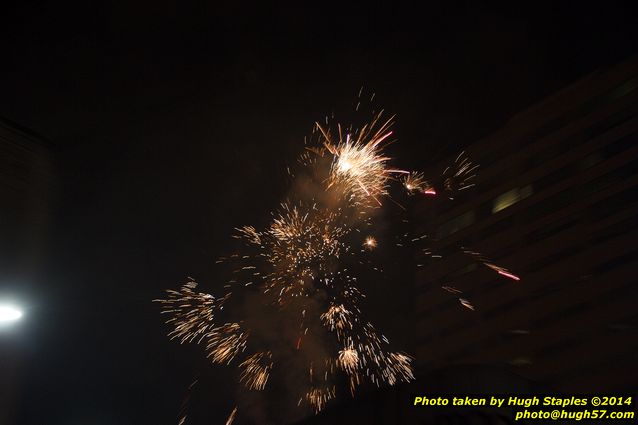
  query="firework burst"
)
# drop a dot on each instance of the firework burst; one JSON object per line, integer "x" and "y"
{"x": 256, "y": 369}
{"x": 460, "y": 175}
{"x": 415, "y": 183}
{"x": 359, "y": 164}
{"x": 299, "y": 277}
{"x": 370, "y": 243}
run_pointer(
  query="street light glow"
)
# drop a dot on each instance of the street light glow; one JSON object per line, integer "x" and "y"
{"x": 9, "y": 313}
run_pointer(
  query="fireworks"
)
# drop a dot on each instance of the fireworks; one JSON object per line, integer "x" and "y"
{"x": 295, "y": 284}
{"x": 348, "y": 360}
{"x": 256, "y": 369}
{"x": 359, "y": 164}
{"x": 192, "y": 312}
{"x": 488, "y": 263}
{"x": 370, "y": 243}
{"x": 398, "y": 368}
{"x": 225, "y": 342}
{"x": 318, "y": 397}
{"x": 459, "y": 176}
{"x": 465, "y": 303}
{"x": 415, "y": 183}
{"x": 337, "y": 318}
{"x": 231, "y": 417}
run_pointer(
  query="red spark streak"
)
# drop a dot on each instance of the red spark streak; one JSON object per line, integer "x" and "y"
{"x": 510, "y": 275}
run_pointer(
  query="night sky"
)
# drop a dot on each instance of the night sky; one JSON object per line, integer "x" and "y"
{"x": 171, "y": 124}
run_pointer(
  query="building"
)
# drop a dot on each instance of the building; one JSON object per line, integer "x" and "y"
{"x": 26, "y": 192}
{"x": 555, "y": 203}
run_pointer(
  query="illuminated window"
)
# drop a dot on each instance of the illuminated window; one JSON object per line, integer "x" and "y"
{"x": 526, "y": 191}
{"x": 511, "y": 197}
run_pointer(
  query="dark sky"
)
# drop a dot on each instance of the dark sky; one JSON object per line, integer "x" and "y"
{"x": 172, "y": 122}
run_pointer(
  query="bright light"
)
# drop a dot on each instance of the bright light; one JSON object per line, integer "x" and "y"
{"x": 370, "y": 243}
{"x": 9, "y": 313}
{"x": 345, "y": 166}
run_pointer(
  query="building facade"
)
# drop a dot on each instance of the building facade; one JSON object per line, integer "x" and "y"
{"x": 27, "y": 193}
{"x": 27, "y": 187}
{"x": 555, "y": 203}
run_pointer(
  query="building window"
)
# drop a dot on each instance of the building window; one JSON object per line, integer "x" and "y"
{"x": 456, "y": 224}
{"x": 591, "y": 160}
{"x": 511, "y": 197}
{"x": 460, "y": 272}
